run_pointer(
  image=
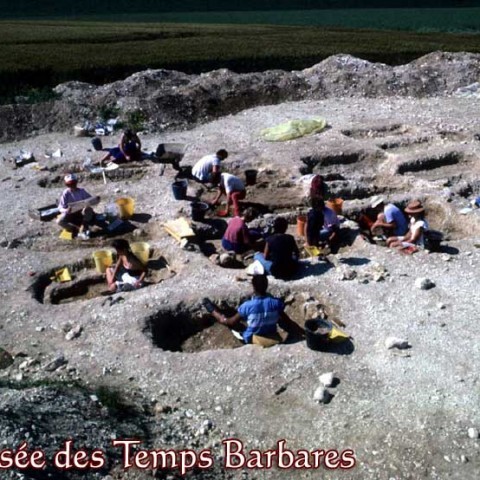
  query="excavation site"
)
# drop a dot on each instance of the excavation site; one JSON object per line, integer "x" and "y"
{"x": 143, "y": 318}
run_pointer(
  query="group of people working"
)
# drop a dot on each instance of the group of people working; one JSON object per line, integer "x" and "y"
{"x": 208, "y": 171}
{"x": 77, "y": 217}
{"x": 278, "y": 253}
{"x": 392, "y": 223}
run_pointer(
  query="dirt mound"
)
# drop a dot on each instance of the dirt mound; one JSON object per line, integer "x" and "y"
{"x": 170, "y": 100}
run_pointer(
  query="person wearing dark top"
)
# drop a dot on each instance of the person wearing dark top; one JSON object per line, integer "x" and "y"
{"x": 315, "y": 221}
{"x": 281, "y": 254}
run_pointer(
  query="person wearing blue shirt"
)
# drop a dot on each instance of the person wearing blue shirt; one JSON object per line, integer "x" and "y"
{"x": 390, "y": 218}
{"x": 262, "y": 313}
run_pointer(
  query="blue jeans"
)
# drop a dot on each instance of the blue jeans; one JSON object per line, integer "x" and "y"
{"x": 267, "y": 264}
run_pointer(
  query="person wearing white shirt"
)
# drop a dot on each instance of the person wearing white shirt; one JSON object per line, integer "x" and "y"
{"x": 207, "y": 169}
{"x": 418, "y": 226}
{"x": 234, "y": 188}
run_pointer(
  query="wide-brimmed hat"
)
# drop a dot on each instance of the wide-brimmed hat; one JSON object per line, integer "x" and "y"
{"x": 70, "y": 179}
{"x": 376, "y": 201}
{"x": 415, "y": 206}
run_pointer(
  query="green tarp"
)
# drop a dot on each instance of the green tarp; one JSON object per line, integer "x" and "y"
{"x": 293, "y": 129}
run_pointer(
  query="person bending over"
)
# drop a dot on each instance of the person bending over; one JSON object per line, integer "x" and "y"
{"x": 238, "y": 238}
{"x": 234, "y": 188}
{"x": 129, "y": 272}
{"x": 258, "y": 316}
{"x": 414, "y": 238}
{"x": 390, "y": 219}
{"x": 207, "y": 169}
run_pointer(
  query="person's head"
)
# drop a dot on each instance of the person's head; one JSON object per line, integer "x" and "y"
{"x": 317, "y": 203}
{"x": 415, "y": 209}
{"x": 280, "y": 225}
{"x": 71, "y": 180}
{"x": 260, "y": 284}
{"x": 129, "y": 133}
{"x": 249, "y": 214}
{"x": 121, "y": 246}
{"x": 377, "y": 202}
{"x": 222, "y": 154}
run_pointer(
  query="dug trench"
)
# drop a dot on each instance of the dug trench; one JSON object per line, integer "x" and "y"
{"x": 87, "y": 283}
{"x": 189, "y": 328}
{"x": 125, "y": 172}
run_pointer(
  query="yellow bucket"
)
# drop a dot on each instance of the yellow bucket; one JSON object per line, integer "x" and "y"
{"x": 62, "y": 275}
{"x": 141, "y": 250}
{"x": 126, "y": 207}
{"x": 103, "y": 260}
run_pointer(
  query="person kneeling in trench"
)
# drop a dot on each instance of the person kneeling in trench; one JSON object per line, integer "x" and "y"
{"x": 261, "y": 314}
{"x": 129, "y": 272}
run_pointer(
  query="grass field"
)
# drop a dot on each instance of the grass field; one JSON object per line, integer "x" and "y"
{"x": 37, "y": 54}
{"x": 408, "y": 19}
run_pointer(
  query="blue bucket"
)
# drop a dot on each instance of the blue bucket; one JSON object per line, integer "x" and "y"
{"x": 179, "y": 189}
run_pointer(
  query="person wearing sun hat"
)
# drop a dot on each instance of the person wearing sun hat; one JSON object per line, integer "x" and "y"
{"x": 71, "y": 219}
{"x": 418, "y": 226}
{"x": 389, "y": 217}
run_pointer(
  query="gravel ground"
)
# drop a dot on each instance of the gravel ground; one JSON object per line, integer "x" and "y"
{"x": 406, "y": 414}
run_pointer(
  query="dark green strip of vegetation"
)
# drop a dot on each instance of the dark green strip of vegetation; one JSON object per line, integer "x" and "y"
{"x": 41, "y": 54}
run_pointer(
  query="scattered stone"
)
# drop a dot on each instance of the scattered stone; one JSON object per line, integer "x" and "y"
{"x": 463, "y": 459}
{"x": 424, "y": 283}
{"x": 473, "y": 433}
{"x": 74, "y": 333}
{"x": 55, "y": 364}
{"x": 5, "y": 359}
{"x": 39, "y": 329}
{"x": 226, "y": 260}
{"x": 394, "y": 342}
{"x": 347, "y": 274}
{"x": 441, "y": 306}
{"x": 327, "y": 379}
{"x": 321, "y": 395}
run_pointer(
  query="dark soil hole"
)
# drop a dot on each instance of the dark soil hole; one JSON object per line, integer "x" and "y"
{"x": 185, "y": 329}
{"x": 313, "y": 163}
{"x": 394, "y": 143}
{"x": 122, "y": 173}
{"x": 82, "y": 289}
{"x": 375, "y": 131}
{"x": 429, "y": 163}
{"x": 190, "y": 329}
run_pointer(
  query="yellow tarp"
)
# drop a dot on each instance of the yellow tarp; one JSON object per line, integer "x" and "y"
{"x": 293, "y": 129}
{"x": 179, "y": 228}
{"x": 65, "y": 235}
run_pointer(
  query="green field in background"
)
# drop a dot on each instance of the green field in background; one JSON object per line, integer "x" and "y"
{"x": 44, "y": 53}
{"x": 410, "y": 19}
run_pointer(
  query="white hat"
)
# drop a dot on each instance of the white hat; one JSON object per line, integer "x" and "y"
{"x": 70, "y": 178}
{"x": 376, "y": 201}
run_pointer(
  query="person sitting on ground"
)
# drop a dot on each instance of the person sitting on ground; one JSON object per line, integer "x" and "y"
{"x": 390, "y": 219}
{"x": 129, "y": 272}
{"x": 207, "y": 169}
{"x": 322, "y": 226}
{"x": 76, "y": 221}
{"x": 128, "y": 150}
{"x": 234, "y": 188}
{"x": 238, "y": 238}
{"x": 318, "y": 188}
{"x": 262, "y": 313}
{"x": 281, "y": 254}
{"x": 415, "y": 237}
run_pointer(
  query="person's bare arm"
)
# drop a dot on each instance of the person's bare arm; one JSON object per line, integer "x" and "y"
{"x": 266, "y": 252}
{"x": 227, "y": 321}
{"x": 219, "y": 196}
{"x": 414, "y": 235}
